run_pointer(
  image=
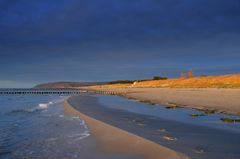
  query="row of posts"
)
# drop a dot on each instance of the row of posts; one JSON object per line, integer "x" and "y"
{"x": 61, "y": 92}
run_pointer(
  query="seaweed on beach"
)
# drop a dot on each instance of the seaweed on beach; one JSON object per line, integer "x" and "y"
{"x": 147, "y": 102}
{"x": 196, "y": 115}
{"x": 207, "y": 111}
{"x": 229, "y": 120}
{"x": 173, "y": 106}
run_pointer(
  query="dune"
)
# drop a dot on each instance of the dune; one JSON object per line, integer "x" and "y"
{"x": 224, "y": 81}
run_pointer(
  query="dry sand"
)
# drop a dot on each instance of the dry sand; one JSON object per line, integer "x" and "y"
{"x": 219, "y": 99}
{"x": 114, "y": 140}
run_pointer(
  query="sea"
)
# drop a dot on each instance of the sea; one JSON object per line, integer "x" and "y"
{"x": 35, "y": 126}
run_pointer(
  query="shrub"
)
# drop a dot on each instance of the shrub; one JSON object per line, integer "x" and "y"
{"x": 121, "y": 82}
{"x": 190, "y": 73}
{"x": 159, "y": 78}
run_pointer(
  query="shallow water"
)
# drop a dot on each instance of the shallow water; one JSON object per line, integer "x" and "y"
{"x": 35, "y": 126}
{"x": 204, "y": 137}
{"x": 177, "y": 114}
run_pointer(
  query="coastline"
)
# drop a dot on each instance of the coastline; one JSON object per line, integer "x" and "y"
{"x": 113, "y": 140}
{"x": 205, "y": 99}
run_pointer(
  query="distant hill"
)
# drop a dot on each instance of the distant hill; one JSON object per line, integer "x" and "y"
{"x": 68, "y": 84}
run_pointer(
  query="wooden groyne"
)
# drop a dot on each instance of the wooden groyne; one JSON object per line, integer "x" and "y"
{"x": 60, "y": 92}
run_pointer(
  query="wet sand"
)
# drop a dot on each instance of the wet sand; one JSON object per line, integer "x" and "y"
{"x": 113, "y": 140}
{"x": 220, "y": 100}
{"x": 194, "y": 140}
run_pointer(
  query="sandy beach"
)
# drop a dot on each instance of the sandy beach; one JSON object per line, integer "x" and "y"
{"x": 114, "y": 122}
{"x": 111, "y": 139}
{"x": 219, "y": 100}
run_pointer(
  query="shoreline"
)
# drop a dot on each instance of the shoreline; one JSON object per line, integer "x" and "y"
{"x": 211, "y": 100}
{"x": 111, "y": 139}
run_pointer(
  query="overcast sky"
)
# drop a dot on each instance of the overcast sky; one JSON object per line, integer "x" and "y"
{"x": 102, "y": 40}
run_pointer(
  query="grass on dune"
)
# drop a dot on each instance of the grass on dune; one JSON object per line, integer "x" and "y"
{"x": 224, "y": 81}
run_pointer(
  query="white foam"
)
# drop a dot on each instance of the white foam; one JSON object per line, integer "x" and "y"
{"x": 84, "y": 125}
{"x": 83, "y": 135}
{"x": 80, "y": 136}
{"x": 50, "y": 103}
{"x": 75, "y": 117}
{"x": 43, "y": 106}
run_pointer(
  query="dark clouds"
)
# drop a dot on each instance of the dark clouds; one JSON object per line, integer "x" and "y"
{"x": 99, "y": 38}
{"x": 92, "y": 20}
